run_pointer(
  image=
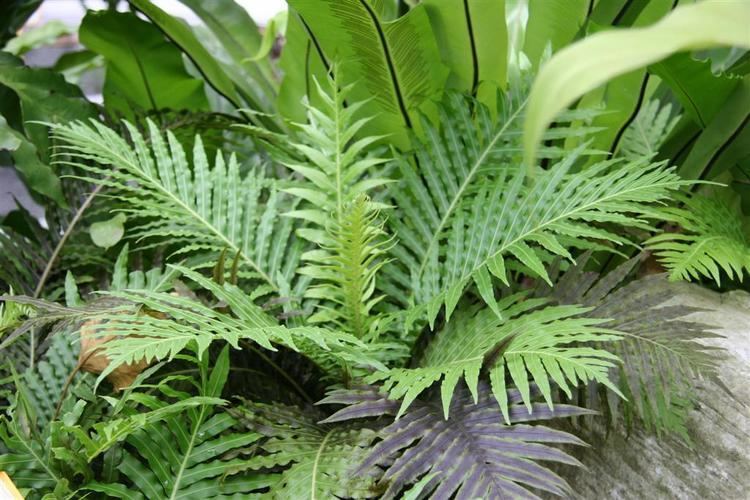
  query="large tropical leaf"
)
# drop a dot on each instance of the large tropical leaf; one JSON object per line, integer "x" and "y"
{"x": 41, "y": 95}
{"x": 721, "y": 145}
{"x": 13, "y": 15}
{"x": 181, "y": 34}
{"x": 473, "y": 42}
{"x": 143, "y": 70}
{"x": 396, "y": 63}
{"x": 473, "y": 454}
{"x": 588, "y": 63}
{"x": 553, "y": 22}
{"x": 239, "y": 41}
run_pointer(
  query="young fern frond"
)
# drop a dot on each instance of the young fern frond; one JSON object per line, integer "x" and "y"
{"x": 465, "y": 210}
{"x": 200, "y": 209}
{"x": 712, "y": 240}
{"x": 345, "y": 271}
{"x": 473, "y": 454}
{"x": 339, "y": 217}
{"x": 541, "y": 344}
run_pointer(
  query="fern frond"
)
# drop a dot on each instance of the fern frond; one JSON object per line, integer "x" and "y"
{"x": 345, "y": 271}
{"x": 181, "y": 322}
{"x": 473, "y": 454}
{"x": 339, "y": 217}
{"x": 541, "y": 344}
{"x": 317, "y": 459}
{"x": 712, "y": 240}
{"x": 649, "y": 130}
{"x": 468, "y": 206}
{"x": 660, "y": 351}
{"x": 187, "y": 454}
{"x": 37, "y": 452}
{"x": 198, "y": 209}
{"x": 46, "y": 380}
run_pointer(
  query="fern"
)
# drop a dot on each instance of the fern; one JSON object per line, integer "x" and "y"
{"x": 181, "y": 322}
{"x": 347, "y": 268}
{"x": 186, "y": 454}
{"x": 466, "y": 209}
{"x": 197, "y": 210}
{"x": 470, "y": 455}
{"x": 38, "y": 453}
{"x": 528, "y": 341}
{"x": 712, "y": 240}
{"x": 340, "y": 218}
{"x": 649, "y": 130}
{"x": 660, "y": 356}
{"x": 317, "y": 459}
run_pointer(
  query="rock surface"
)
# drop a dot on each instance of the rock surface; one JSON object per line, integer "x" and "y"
{"x": 717, "y": 464}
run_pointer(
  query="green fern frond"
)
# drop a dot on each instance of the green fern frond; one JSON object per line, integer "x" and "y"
{"x": 186, "y": 454}
{"x": 660, "y": 351}
{"x": 543, "y": 345}
{"x": 196, "y": 208}
{"x": 37, "y": 452}
{"x": 649, "y": 130}
{"x": 345, "y": 271}
{"x": 465, "y": 210}
{"x": 712, "y": 240}
{"x": 317, "y": 459}
{"x": 339, "y": 217}
{"x": 181, "y": 322}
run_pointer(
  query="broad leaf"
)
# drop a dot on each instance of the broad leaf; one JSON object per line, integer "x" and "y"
{"x": 553, "y": 22}
{"x": 43, "y": 96}
{"x": 397, "y": 63}
{"x": 473, "y": 42}
{"x": 588, "y": 63}
{"x": 144, "y": 70}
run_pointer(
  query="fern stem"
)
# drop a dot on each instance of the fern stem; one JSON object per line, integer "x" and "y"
{"x": 316, "y": 462}
{"x": 186, "y": 456}
{"x": 68, "y": 231}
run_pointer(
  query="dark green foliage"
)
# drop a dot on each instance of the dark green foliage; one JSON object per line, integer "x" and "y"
{"x": 659, "y": 348}
{"x": 316, "y": 459}
{"x": 472, "y": 454}
{"x": 389, "y": 254}
{"x": 713, "y": 242}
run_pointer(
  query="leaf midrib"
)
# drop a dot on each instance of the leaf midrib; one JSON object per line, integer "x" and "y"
{"x": 198, "y": 217}
{"x": 465, "y": 184}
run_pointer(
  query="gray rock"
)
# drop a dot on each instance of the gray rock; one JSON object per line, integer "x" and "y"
{"x": 717, "y": 463}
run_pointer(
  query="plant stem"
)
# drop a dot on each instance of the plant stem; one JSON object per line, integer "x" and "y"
{"x": 68, "y": 230}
